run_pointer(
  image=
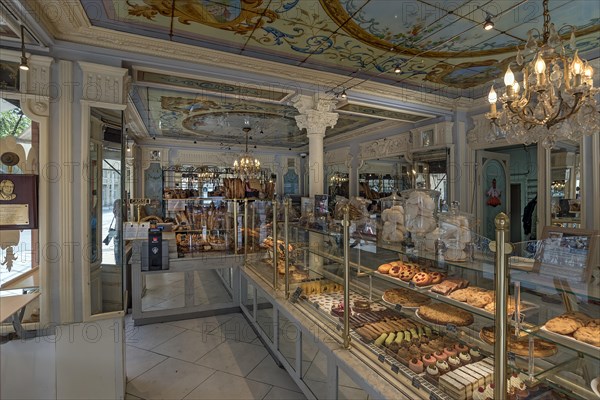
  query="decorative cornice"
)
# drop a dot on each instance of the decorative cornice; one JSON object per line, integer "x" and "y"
{"x": 102, "y": 83}
{"x": 337, "y": 156}
{"x": 479, "y": 133}
{"x": 366, "y": 131}
{"x": 133, "y": 120}
{"x": 390, "y": 146}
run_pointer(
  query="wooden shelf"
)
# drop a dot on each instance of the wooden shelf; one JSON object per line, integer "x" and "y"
{"x": 28, "y": 280}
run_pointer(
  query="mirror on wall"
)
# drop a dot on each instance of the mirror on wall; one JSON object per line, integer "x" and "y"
{"x": 565, "y": 184}
{"x": 381, "y": 177}
{"x": 430, "y": 171}
{"x": 106, "y": 184}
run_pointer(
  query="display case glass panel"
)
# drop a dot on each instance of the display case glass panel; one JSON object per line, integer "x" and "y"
{"x": 289, "y": 335}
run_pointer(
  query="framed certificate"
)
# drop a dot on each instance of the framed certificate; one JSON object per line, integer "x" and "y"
{"x": 18, "y": 202}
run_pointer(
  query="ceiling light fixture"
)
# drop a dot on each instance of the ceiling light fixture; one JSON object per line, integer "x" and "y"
{"x": 343, "y": 95}
{"x": 488, "y": 24}
{"x": 24, "y": 66}
{"x": 246, "y": 167}
{"x": 397, "y": 69}
{"x": 555, "y": 99}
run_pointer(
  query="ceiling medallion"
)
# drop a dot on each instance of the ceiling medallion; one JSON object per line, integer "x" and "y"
{"x": 246, "y": 167}
{"x": 555, "y": 99}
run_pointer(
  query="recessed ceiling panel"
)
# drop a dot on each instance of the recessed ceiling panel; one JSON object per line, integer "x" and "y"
{"x": 216, "y": 119}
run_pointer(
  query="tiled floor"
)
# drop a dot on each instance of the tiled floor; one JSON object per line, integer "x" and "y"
{"x": 205, "y": 358}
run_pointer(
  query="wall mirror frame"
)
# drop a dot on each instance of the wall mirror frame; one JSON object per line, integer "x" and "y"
{"x": 566, "y": 185}
{"x": 93, "y": 172}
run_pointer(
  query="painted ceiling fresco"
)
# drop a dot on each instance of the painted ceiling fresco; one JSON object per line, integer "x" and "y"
{"x": 440, "y": 46}
{"x": 217, "y": 119}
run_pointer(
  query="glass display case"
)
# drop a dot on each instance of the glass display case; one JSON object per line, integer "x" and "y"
{"x": 428, "y": 322}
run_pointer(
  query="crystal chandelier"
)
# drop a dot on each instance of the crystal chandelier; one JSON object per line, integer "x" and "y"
{"x": 555, "y": 99}
{"x": 246, "y": 167}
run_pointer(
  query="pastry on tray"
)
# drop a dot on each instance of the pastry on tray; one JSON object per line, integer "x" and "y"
{"x": 578, "y": 325}
{"x": 441, "y": 313}
{"x": 405, "y": 297}
{"x": 520, "y": 346}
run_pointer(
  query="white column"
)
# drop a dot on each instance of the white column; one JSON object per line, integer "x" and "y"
{"x": 315, "y": 116}
{"x": 315, "y": 164}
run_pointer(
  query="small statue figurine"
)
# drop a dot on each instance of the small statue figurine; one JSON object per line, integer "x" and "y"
{"x": 9, "y": 258}
{"x": 493, "y": 195}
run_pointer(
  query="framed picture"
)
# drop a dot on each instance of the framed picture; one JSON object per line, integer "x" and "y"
{"x": 18, "y": 201}
{"x": 566, "y": 253}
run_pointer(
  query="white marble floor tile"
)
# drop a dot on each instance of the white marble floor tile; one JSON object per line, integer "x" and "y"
{"x": 225, "y": 386}
{"x": 237, "y": 328}
{"x": 171, "y": 379}
{"x": 269, "y": 372}
{"x": 234, "y": 357}
{"x": 189, "y": 345}
{"x": 173, "y": 302}
{"x": 277, "y": 393}
{"x": 350, "y": 393}
{"x": 205, "y": 324}
{"x": 149, "y": 336}
{"x": 138, "y": 361}
{"x": 319, "y": 389}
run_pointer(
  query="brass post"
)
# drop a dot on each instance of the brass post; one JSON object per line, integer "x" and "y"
{"x": 346, "y": 238}
{"x": 275, "y": 255}
{"x": 501, "y": 317}
{"x": 246, "y": 235}
{"x": 235, "y": 233}
{"x": 286, "y": 205}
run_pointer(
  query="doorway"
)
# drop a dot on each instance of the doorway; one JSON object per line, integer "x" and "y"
{"x": 491, "y": 190}
{"x": 515, "y": 213}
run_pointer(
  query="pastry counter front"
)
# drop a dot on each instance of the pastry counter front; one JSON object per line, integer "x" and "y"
{"x": 428, "y": 317}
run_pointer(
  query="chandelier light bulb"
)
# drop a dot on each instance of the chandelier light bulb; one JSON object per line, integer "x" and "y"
{"x": 492, "y": 96}
{"x": 540, "y": 64}
{"x": 516, "y": 87}
{"x": 588, "y": 72}
{"x": 577, "y": 65}
{"x": 509, "y": 77}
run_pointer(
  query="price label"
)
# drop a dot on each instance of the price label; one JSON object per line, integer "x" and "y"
{"x": 415, "y": 382}
{"x": 398, "y": 307}
{"x": 381, "y": 358}
{"x": 139, "y": 201}
{"x": 411, "y": 284}
{"x": 395, "y": 369}
{"x": 451, "y": 328}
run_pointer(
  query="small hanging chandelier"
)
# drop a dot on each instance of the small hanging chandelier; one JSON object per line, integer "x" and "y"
{"x": 245, "y": 166}
{"x": 554, "y": 101}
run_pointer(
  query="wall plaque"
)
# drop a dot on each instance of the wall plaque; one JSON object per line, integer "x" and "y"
{"x": 18, "y": 201}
